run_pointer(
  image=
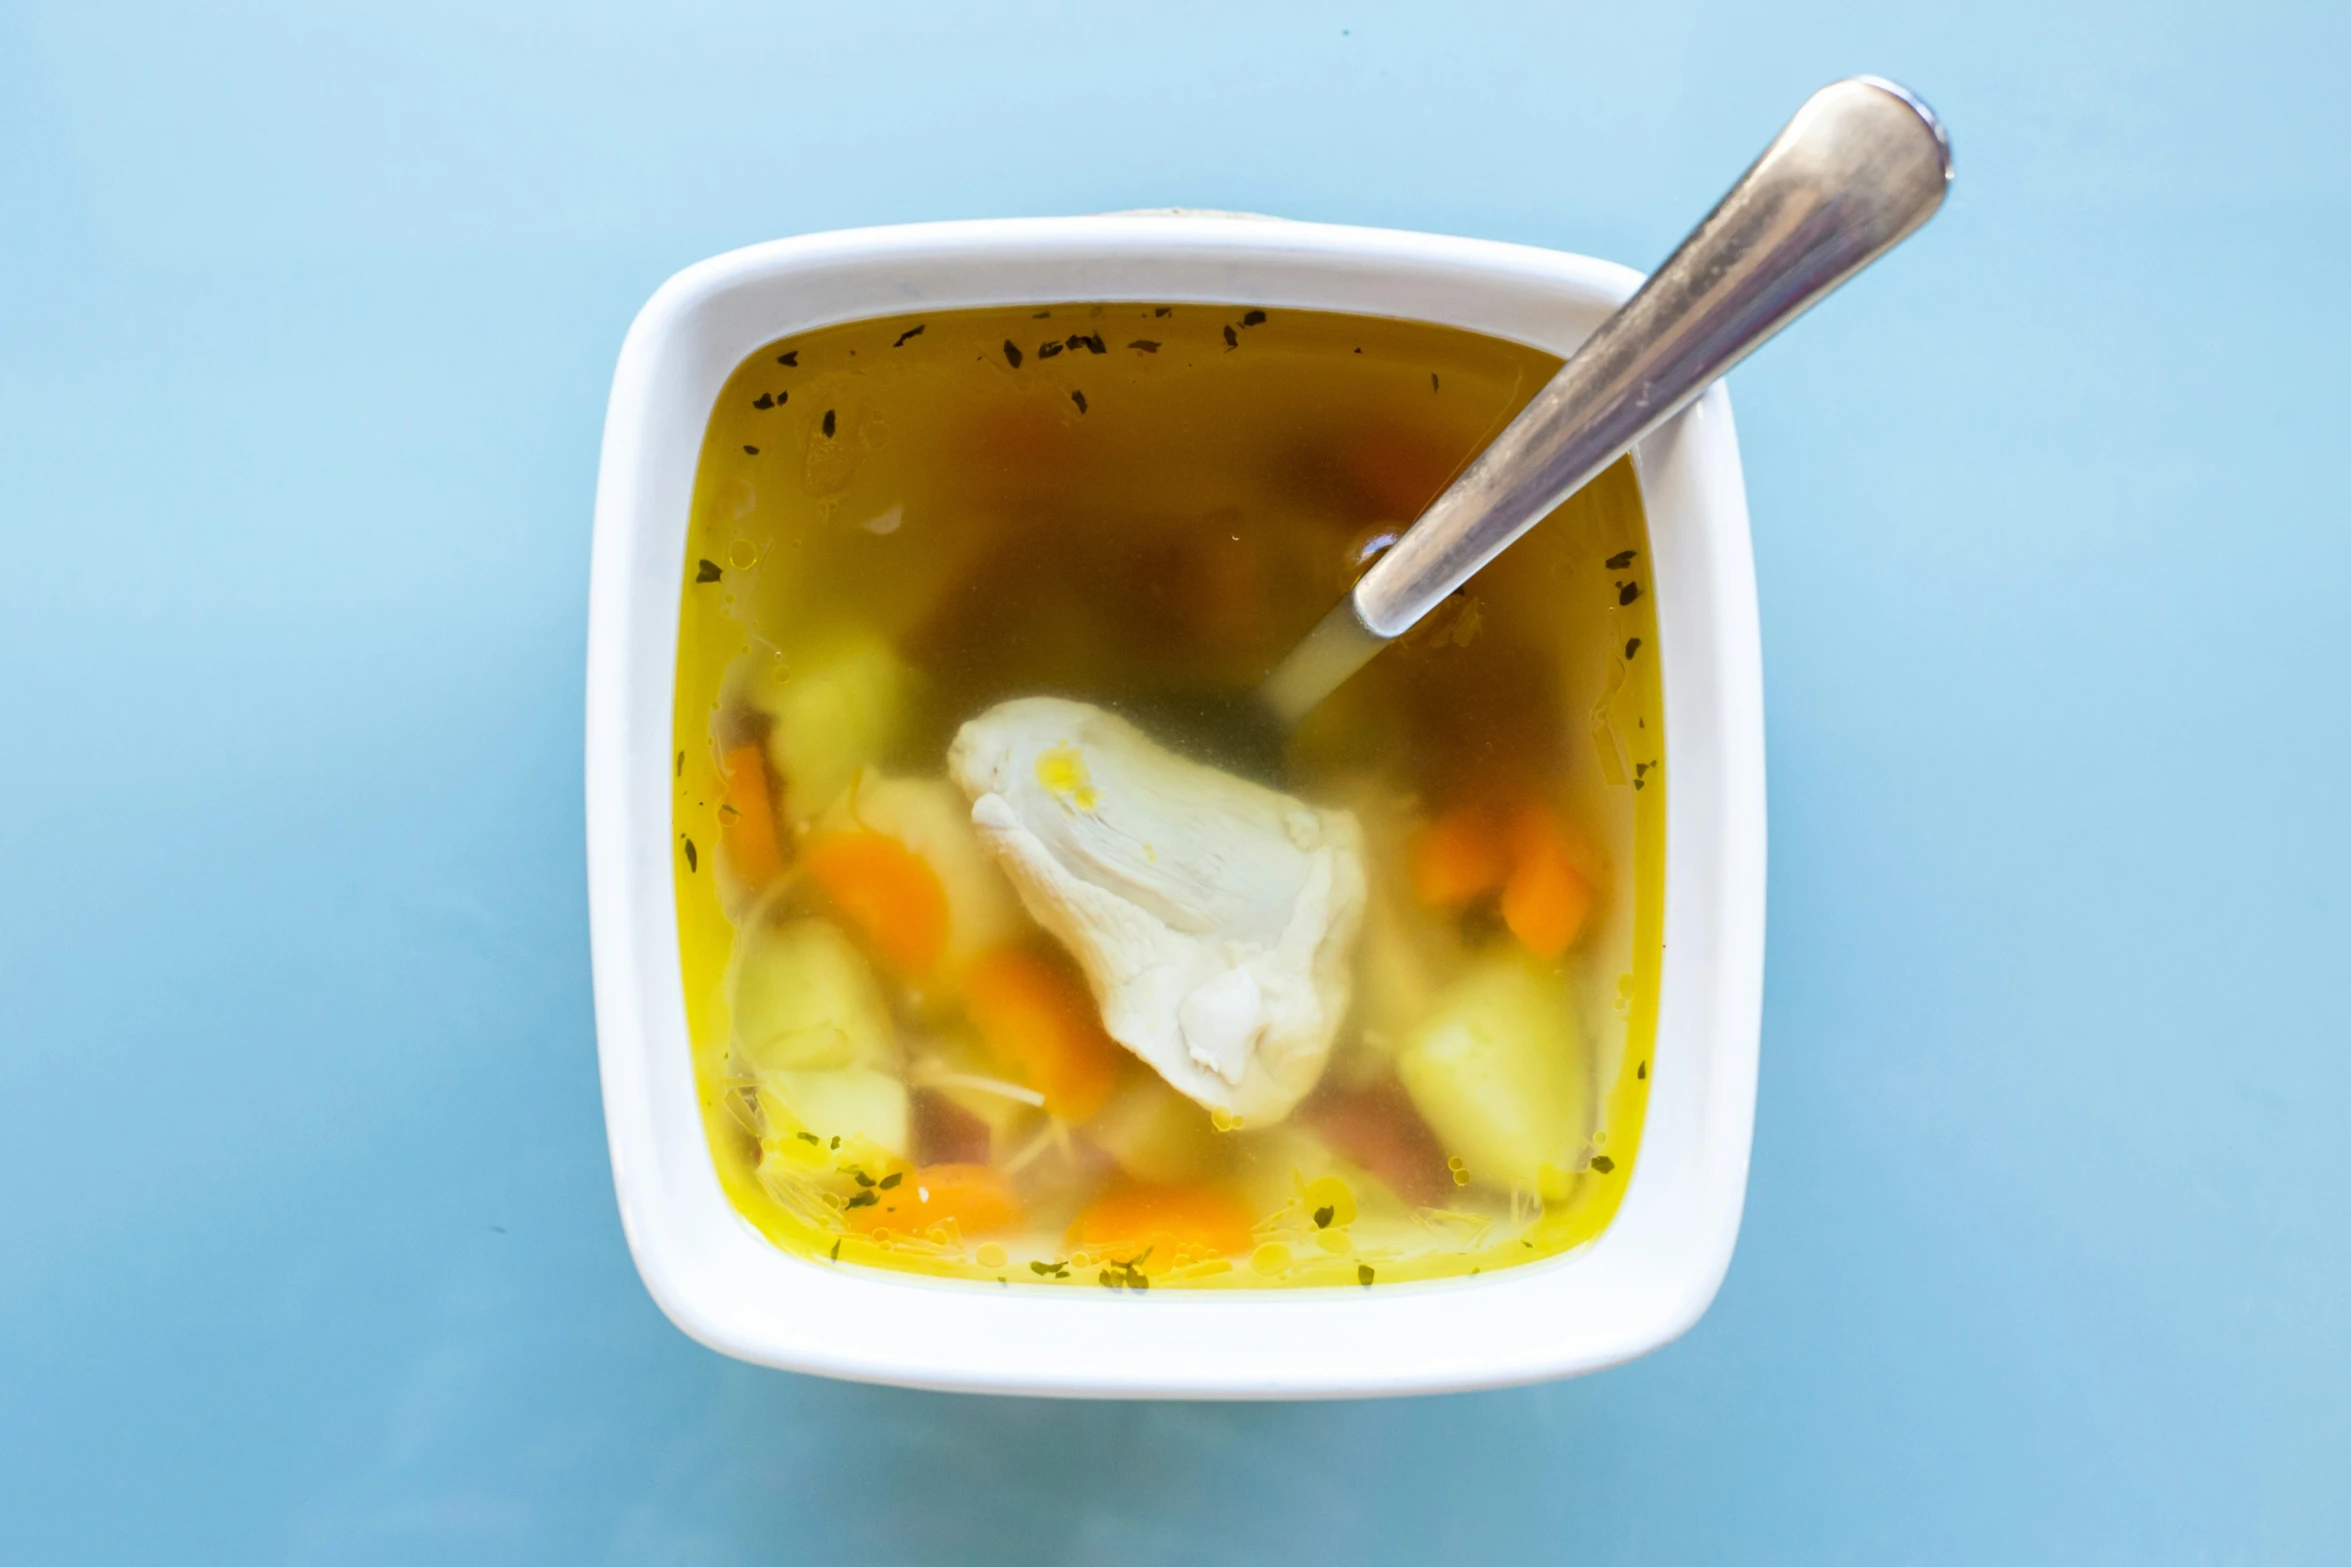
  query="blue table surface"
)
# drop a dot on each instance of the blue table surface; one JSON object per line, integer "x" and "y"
{"x": 308, "y": 1251}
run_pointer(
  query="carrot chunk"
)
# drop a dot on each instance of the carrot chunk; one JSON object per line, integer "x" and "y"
{"x": 1171, "y": 1223}
{"x": 887, "y": 891}
{"x": 1036, "y": 1017}
{"x": 747, "y": 828}
{"x": 1458, "y": 857}
{"x": 977, "y": 1198}
{"x": 1546, "y": 899}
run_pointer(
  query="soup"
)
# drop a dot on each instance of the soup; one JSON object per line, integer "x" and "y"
{"x": 1005, "y": 960}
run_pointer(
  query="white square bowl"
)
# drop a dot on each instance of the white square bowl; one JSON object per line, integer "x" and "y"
{"x": 1644, "y": 1281}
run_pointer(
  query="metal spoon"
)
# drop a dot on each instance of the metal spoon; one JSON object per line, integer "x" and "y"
{"x": 1862, "y": 164}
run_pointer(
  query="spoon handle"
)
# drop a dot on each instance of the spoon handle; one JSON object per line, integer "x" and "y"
{"x": 1861, "y": 165}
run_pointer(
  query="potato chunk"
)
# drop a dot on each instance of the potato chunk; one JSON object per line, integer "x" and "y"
{"x": 1500, "y": 1071}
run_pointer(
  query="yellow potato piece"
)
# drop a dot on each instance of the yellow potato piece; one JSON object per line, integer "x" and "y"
{"x": 1500, "y": 1072}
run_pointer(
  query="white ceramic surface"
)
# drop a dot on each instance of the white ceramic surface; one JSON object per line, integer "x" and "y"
{"x": 1643, "y": 1282}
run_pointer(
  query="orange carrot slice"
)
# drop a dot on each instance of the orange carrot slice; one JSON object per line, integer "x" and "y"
{"x": 1457, "y": 857}
{"x": 977, "y": 1198}
{"x": 747, "y": 828}
{"x": 1545, "y": 899}
{"x": 1171, "y": 1223}
{"x": 1036, "y": 1017}
{"x": 887, "y": 891}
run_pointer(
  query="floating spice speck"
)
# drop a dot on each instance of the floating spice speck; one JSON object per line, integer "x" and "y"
{"x": 1254, "y": 318}
{"x": 912, "y": 331}
{"x": 1323, "y": 1217}
{"x": 1603, "y": 1163}
{"x": 1145, "y": 344}
{"x": 1164, "y": 310}
{"x": 1048, "y": 350}
{"x": 829, "y": 426}
{"x": 792, "y": 359}
{"x": 1621, "y": 559}
{"x": 1643, "y": 1072}
{"x": 1041, "y": 315}
{"x": 764, "y": 400}
{"x": 1079, "y": 398}
{"x": 1433, "y": 386}
{"x": 1363, "y": 1274}
{"x": 681, "y": 764}
{"x": 1632, "y": 646}
{"x": 836, "y": 1143}
{"x": 1627, "y": 593}
{"x": 750, "y": 451}
{"x": 1012, "y": 353}
{"x": 810, "y": 1137}
{"x": 707, "y": 571}
{"x": 836, "y": 1251}
{"x": 1232, "y": 339}
{"x": 693, "y": 860}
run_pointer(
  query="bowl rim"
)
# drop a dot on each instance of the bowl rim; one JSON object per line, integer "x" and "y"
{"x": 1640, "y": 1284}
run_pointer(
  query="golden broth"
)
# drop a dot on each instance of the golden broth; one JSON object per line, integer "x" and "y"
{"x": 897, "y": 523}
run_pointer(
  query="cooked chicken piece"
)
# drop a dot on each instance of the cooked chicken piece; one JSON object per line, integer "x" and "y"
{"x": 1212, "y": 916}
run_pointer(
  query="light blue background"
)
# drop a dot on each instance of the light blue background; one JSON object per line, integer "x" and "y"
{"x": 307, "y": 1244}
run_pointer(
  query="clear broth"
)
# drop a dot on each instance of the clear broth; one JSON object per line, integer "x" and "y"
{"x": 1143, "y": 505}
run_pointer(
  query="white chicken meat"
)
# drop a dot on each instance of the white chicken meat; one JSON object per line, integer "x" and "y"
{"x": 1213, "y": 916}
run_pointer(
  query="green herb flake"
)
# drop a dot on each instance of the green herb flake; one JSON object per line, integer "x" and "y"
{"x": 1620, "y": 560}
{"x": 1643, "y": 1072}
{"x": 681, "y": 764}
{"x": 892, "y": 1179}
{"x": 861, "y": 1200}
{"x": 829, "y": 425}
{"x": 1232, "y": 339}
{"x": 863, "y": 1179}
{"x": 707, "y": 571}
{"x": 836, "y": 1142}
{"x": 764, "y": 400}
{"x": 1324, "y": 1215}
{"x": 1433, "y": 386}
{"x": 1253, "y": 318}
{"x": 1145, "y": 344}
{"x": 1164, "y": 310}
{"x": 1632, "y": 646}
{"x": 1079, "y": 398}
{"x": 1012, "y": 353}
{"x": 836, "y": 1251}
{"x": 1603, "y": 1163}
{"x": 1363, "y": 1274}
{"x": 912, "y": 331}
{"x": 791, "y": 359}
{"x": 1627, "y": 592}
{"x": 807, "y": 1137}
{"x": 750, "y": 451}
{"x": 693, "y": 860}
{"x": 1048, "y": 350}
